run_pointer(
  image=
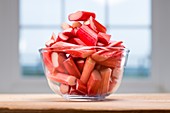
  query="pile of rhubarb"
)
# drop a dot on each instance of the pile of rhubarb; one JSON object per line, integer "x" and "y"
{"x": 82, "y": 58}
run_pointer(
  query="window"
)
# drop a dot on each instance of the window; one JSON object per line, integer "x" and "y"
{"x": 39, "y": 18}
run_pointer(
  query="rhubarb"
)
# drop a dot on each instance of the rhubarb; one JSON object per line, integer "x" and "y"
{"x": 76, "y": 24}
{"x": 88, "y": 68}
{"x": 104, "y": 86}
{"x": 57, "y": 60}
{"x": 64, "y": 89}
{"x": 65, "y": 26}
{"x": 81, "y": 87}
{"x": 51, "y": 41}
{"x": 81, "y": 16}
{"x": 104, "y": 38}
{"x": 94, "y": 83}
{"x": 63, "y": 78}
{"x": 87, "y": 35}
{"x": 71, "y": 67}
{"x": 80, "y": 64}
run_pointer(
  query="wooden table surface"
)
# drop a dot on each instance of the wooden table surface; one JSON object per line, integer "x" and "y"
{"x": 117, "y": 103}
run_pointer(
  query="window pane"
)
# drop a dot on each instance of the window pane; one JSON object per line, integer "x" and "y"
{"x": 130, "y": 12}
{"x": 92, "y": 5}
{"x": 30, "y": 41}
{"x": 40, "y": 12}
{"x": 139, "y": 43}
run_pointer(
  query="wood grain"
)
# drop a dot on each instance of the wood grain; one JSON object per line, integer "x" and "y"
{"x": 143, "y": 103}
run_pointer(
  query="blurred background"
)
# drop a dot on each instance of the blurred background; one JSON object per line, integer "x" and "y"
{"x": 143, "y": 25}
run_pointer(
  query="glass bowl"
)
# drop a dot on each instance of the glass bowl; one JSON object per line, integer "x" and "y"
{"x": 84, "y": 72}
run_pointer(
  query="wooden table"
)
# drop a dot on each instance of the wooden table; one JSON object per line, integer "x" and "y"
{"x": 117, "y": 103}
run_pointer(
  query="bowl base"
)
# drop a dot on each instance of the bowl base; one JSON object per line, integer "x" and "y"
{"x": 83, "y": 98}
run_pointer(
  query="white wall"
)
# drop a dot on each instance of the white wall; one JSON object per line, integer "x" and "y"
{"x": 9, "y": 64}
{"x": 11, "y": 80}
{"x": 161, "y": 43}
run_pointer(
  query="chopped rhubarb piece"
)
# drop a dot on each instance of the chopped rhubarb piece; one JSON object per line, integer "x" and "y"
{"x": 111, "y": 62}
{"x": 71, "y": 67}
{"x": 95, "y": 25}
{"x": 47, "y": 61}
{"x": 62, "y": 37}
{"x": 75, "y": 31}
{"x": 65, "y": 26}
{"x": 76, "y": 24}
{"x": 81, "y": 16}
{"x": 57, "y": 60}
{"x": 104, "y": 85}
{"x": 60, "y": 46}
{"x": 78, "y": 52}
{"x": 63, "y": 79}
{"x": 69, "y": 32}
{"x": 80, "y": 64}
{"x": 87, "y": 35}
{"x": 51, "y": 41}
{"x": 81, "y": 87}
{"x": 94, "y": 83}
{"x": 76, "y": 41}
{"x": 100, "y": 43}
{"x": 113, "y": 85}
{"x": 117, "y": 73}
{"x": 64, "y": 89}
{"x": 104, "y": 38}
{"x": 115, "y": 44}
{"x": 73, "y": 91}
{"x": 98, "y": 57}
{"x": 103, "y": 55}
{"x": 88, "y": 67}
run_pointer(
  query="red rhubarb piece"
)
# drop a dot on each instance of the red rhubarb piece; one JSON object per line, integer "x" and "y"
{"x": 88, "y": 68}
{"x": 115, "y": 44}
{"x": 81, "y": 87}
{"x": 100, "y": 43}
{"x": 104, "y": 86}
{"x": 95, "y": 25}
{"x": 87, "y": 35}
{"x": 76, "y": 24}
{"x": 73, "y": 91}
{"x": 81, "y": 16}
{"x": 103, "y": 55}
{"x": 81, "y": 53}
{"x": 47, "y": 61}
{"x": 76, "y": 41}
{"x": 113, "y": 85}
{"x": 57, "y": 60}
{"x": 62, "y": 37}
{"x": 71, "y": 67}
{"x": 111, "y": 62}
{"x": 117, "y": 73}
{"x": 62, "y": 46}
{"x": 63, "y": 79}
{"x": 64, "y": 89}
{"x": 104, "y": 38}
{"x": 80, "y": 64}
{"x": 94, "y": 83}
{"x": 51, "y": 41}
{"x": 68, "y": 32}
{"x": 98, "y": 57}
{"x": 65, "y": 26}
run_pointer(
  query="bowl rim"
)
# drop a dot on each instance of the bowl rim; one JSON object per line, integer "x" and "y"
{"x": 61, "y": 48}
